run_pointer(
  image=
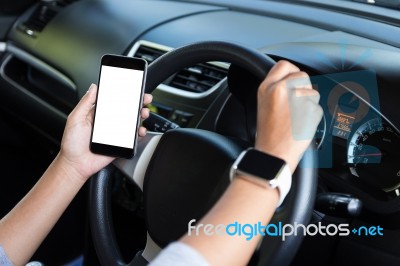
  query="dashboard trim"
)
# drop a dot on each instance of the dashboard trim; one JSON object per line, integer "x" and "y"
{"x": 27, "y": 92}
{"x": 40, "y": 65}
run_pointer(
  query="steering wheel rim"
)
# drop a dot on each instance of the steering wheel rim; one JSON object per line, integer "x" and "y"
{"x": 298, "y": 205}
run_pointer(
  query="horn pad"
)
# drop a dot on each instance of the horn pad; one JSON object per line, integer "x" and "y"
{"x": 187, "y": 174}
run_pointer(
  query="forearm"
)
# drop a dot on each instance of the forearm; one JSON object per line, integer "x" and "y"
{"x": 26, "y": 226}
{"x": 245, "y": 203}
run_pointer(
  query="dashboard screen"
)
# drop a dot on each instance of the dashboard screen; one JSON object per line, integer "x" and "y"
{"x": 342, "y": 123}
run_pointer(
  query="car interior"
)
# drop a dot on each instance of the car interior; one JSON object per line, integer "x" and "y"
{"x": 206, "y": 60}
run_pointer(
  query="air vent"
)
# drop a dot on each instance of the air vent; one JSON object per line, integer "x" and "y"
{"x": 198, "y": 78}
{"x": 148, "y": 53}
{"x": 42, "y": 15}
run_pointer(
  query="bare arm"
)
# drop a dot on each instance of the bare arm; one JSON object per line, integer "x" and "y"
{"x": 278, "y": 135}
{"x": 26, "y": 226}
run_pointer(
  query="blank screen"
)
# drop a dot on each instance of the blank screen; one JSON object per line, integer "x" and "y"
{"x": 117, "y": 107}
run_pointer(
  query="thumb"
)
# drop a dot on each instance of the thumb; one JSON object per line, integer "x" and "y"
{"x": 87, "y": 101}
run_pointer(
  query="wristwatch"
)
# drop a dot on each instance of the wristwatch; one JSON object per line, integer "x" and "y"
{"x": 264, "y": 170}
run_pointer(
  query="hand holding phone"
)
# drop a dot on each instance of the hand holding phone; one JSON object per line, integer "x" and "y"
{"x": 118, "y": 105}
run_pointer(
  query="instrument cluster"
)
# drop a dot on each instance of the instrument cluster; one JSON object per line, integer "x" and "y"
{"x": 355, "y": 139}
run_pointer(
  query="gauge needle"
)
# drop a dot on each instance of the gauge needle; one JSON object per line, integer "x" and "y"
{"x": 369, "y": 154}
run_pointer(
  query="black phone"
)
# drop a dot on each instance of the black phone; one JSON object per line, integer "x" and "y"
{"x": 118, "y": 104}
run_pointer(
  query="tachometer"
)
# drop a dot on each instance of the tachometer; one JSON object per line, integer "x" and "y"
{"x": 374, "y": 156}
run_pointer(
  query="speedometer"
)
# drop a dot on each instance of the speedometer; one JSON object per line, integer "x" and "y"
{"x": 374, "y": 156}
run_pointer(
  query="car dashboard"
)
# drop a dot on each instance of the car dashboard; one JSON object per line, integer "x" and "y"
{"x": 46, "y": 68}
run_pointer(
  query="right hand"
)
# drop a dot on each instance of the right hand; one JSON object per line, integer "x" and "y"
{"x": 288, "y": 113}
{"x": 75, "y": 153}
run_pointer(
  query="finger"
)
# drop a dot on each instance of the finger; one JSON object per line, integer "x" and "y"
{"x": 319, "y": 113}
{"x": 87, "y": 101}
{"x": 279, "y": 71}
{"x": 312, "y": 95}
{"x": 142, "y": 131}
{"x": 298, "y": 80}
{"x": 147, "y": 99}
{"x": 305, "y": 92}
{"x": 144, "y": 114}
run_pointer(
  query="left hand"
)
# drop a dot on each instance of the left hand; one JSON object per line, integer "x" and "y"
{"x": 75, "y": 152}
{"x": 288, "y": 113}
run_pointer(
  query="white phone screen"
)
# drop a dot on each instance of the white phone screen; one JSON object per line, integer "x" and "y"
{"x": 117, "y": 107}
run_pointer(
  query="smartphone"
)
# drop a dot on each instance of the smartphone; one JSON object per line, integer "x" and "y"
{"x": 118, "y": 104}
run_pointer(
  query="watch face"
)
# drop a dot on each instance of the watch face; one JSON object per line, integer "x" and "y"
{"x": 260, "y": 164}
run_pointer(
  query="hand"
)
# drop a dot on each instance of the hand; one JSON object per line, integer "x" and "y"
{"x": 288, "y": 113}
{"x": 75, "y": 151}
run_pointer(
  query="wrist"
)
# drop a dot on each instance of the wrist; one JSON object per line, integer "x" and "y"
{"x": 255, "y": 189}
{"x": 68, "y": 169}
{"x": 290, "y": 156}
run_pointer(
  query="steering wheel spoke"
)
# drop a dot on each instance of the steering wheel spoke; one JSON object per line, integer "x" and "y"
{"x": 135, "y": 168}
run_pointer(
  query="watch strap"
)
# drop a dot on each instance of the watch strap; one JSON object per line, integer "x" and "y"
{"x": 284, "y": 183}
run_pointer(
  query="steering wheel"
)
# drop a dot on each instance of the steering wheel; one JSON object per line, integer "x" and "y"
{"x": 183, "y": 172}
